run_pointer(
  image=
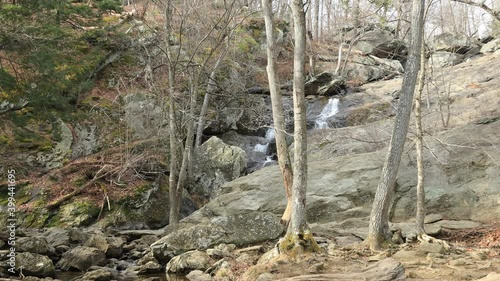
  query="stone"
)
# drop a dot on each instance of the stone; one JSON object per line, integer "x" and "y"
{"x": 478, "y": 255}
{"x": 97, "y": 275}
{"x": 380, "y": 43}
{"x": 146, "y": 209}
{"x": 198, "y": 275}
{"x": 268, "y": 256}
{"x": 453, "y": 43}
{"x": 215, "y": 254}
{"x": 77, "y": 214}
{"x": 188, "y": 261}
{"x": 57, "y": 155}
{"x": 34, "y": 244}
{"x": 246, "y": 259}
{"x": 491, "y": 46}
{"x": 406, "y": 256}
{"x": 325, "y": 84}
{"x": 432, "y": 218}
{"x": 493, "y": 276}
{"x": 57, "y": 237}
{"x": 459, "y": 224}
{"x": 443, "y": 59}
{"x": 86, "y": 140}
{"x": 386, "y": 269}
{"x": 115, "y": 247}
{"x": 81, "y": 258}
{"x": 216, "y": 164}
{"x": 366, "y": 69}
{"x": 97, "y": 241}
{"x": 459, "y": 262}
{"x": 426, "y": 247}
{"x": 149, "y": 268}
{"x": 266, "y": 277}
{"x": 144, "y": 116}
{"x": 241, "y": 228}
{"x": 35, "y": 265}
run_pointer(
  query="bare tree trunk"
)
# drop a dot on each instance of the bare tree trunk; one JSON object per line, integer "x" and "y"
{"x": 379, "y": 219}
{"x": 298, "y": 220}
{"x": 186, "y": 157}
{"x": 206, "y": 100}
{"x": 420, "y": 215}
{"x": 278, "y": 113}
{"x": 298, "y": 237}
{"x": 174, "y": 145}
{"x": 316, "y": 19}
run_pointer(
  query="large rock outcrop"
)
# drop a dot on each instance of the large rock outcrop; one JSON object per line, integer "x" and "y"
{"x": 325, "y": 84}
{"x": 211, "y": 226}
{"x": 461, "y": 185}
{"x": 216, "y": 164}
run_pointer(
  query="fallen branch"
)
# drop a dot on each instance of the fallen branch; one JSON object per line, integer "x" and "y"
{"x": 77, "y": 191}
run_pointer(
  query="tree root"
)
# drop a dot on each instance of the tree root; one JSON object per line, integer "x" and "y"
{"x": 429, "y": 239}
{"x": 295, "y": 245}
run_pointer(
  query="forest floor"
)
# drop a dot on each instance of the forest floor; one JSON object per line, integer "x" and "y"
{"x": 474, "y": 254}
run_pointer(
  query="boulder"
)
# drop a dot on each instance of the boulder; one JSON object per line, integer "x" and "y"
{"x": 146, "y": 208}
{"x": 207, "y": 228}
{"x": 86, "y": 140}
{"x": 112, "y": 246}
{"x": 216, "y": 164}
{"x": 34, "y": 244}
{"x": 380, "y": 43}
{"x": 364, "y": 69}
{"x": 144, "y": 116}
{"x": 257, "y": 113}
{"x": 57, "y": 237}
{"x": 192, "y": 260}
{"x": 148, "y": 268}
{"x": 453, "y": 43}
{"x": 251, "y": 144}
{"x": 81, "y": 258}
{"x": 198, "y": 275}
{"x": 77, "y": 214}
{"x": 55, "y": 157}
{"x": 325, "y": 84}
{"x": 443, "y": 59}
{"x": 35, "y": 265}
{"x": 97, "y": 275}
{"x": 491, "y": 46}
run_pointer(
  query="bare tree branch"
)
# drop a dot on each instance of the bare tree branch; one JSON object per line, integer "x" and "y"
{"x": 494, "y": 13}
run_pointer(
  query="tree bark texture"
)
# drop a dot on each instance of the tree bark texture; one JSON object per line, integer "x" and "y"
{"x": 420, "y": 215}
{"x": 278, "y": 113}
{"x": 298, "y": 220}
{"x": 379, "y": 219}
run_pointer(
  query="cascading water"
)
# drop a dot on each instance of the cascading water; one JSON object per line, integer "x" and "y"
{"x": 269, "y": 161}
{"x": 330, "y": 109}
{"x": 261, "y": 148}
{"x": 270, "y": 134}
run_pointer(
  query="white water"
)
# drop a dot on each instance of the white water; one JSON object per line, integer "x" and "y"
{"x": 261, "y": 148}
{"x": 270, "y": 134}
{"x": 330, "y": 109}
{"x": 269, "y": 161}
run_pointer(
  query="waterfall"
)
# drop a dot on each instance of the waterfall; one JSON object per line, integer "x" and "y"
{"x": 330, "y": 109}
{"x": 270, "y": 134}
{"x": 269, "y": 161}
{"x": 261, "y": 148}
